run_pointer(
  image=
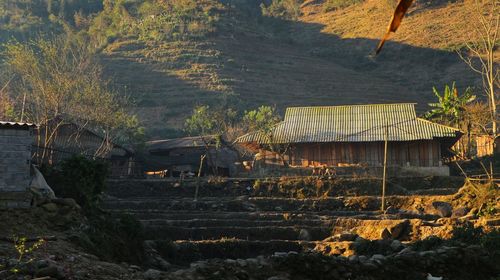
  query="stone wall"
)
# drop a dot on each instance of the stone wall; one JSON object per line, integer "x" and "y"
{"x": 15, "y": 155}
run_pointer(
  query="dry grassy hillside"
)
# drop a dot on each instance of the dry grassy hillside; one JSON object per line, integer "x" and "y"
{"x": 321, "y": 59}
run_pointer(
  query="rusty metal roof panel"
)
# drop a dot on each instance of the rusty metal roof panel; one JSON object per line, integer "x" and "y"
{"x": 355, "y": 123}
{"x": 17, "y": 125}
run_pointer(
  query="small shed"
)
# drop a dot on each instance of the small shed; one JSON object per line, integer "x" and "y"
{"x": 353, "y": 135}
{"x": 184, "y": 155}
{"x": 73, "y": 139}
{"x": 15, "y": 161}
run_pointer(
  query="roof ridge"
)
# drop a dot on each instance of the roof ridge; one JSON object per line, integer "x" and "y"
{"x": 353, "y": 105}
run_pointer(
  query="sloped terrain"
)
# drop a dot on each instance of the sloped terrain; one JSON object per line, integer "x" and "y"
{"x": 323, "y": 58}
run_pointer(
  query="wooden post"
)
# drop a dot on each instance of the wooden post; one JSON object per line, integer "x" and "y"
{"x": 198, "y": 178}
{"x": 386, "y": 136}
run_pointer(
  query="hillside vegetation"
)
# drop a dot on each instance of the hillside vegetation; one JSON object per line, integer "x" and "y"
{"x": 170, "y": 56}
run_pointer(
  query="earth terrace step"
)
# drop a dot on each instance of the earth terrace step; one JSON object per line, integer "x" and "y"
{"x": 257, "y": 215}
{"x": 184, "y": 252}
{"x": 357, "y": 203}
{"x": 236, "y": 222}
{"x": 246, "y": 233}
{"x": 271, "y": 215}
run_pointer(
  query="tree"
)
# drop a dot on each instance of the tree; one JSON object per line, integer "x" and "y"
{"x": 264, "y": 120}
{"x": 480, "y": 51}
{"x": 213, "y": 125}
{"x": 58, "y": 80}
{"x": 450, "y": 108}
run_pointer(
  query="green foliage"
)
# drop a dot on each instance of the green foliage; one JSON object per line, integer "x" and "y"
{"x": 467, "y": 233}
{"x": 79, "y": 178}
{"x": 331, "y": 5}
{"x": 285, "y": 9}
{"x": 24, "y": 252}
{"x": 451, "y": 105}
{"x": 430, "y": 243}
{"x": 207, "y": 121}
{"x": 114, "y": 238}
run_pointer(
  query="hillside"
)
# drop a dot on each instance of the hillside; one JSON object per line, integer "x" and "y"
{"x": 228, "y": 52}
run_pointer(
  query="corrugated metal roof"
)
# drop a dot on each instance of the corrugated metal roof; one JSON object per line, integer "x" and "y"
{"x": 4, "y": 124}
{"x": 354, "y": 123}
{"x": 186, "y": 142}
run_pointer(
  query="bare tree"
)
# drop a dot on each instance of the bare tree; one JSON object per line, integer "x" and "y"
{"x": 480, "y": 50}
{"x": 59, "y": 81}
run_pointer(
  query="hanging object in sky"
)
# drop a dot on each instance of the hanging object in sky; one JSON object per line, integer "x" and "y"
{"x": 399, "y": 13}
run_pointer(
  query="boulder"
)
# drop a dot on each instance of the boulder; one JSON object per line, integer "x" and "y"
{"x": 304, "y": 235}
{"x": 50, "y": 207}
{"x": 385, "y": 234}
{"x": 400, "y": 230}
{"x": 442, "y": 208}
{"x": 50, "y": 271}
{"x": 152, "y": 274}
{"x": 460, "y": 212}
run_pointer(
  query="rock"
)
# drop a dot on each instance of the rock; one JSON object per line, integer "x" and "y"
{"x": 385, "y": 234}
{"x": 359, "y": 239}
{"x": 152, "y": 274}
{"x": 460, "y": 212}
{"x": 347, "y": 237}
{"x": 241, "y": 262}
{"x": 278, "y": 278}
{"x": 66, "y": 202}
{"x": 399, "y": 231}
{"x": 135, "y": 267}
{"x": 304, "y": 235}
{"x": 396, "y": 245}
{"x": 50, "y": 207}
{"x": 50, "y": 271}
{"x": 41, "y": 263}
{"x": 442, "y": 208}
{"x": 378, "y": 258}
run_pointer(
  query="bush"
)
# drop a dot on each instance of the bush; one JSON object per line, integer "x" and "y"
{"x": 332, "y": 5}
{"x": 79, "y": 178}
{"x": 430, "y": 243}
{"x": 285, "y": 9}
{"x": 118, "y": 238}
{"x": 467, "y": 234}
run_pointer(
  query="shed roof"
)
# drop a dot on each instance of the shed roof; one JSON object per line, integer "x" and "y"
{"x": 186, "y": 142}
{"x": 16, "y": 125}
{"x": 352, "y": 123}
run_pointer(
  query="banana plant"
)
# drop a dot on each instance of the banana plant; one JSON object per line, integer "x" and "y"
{"x": 451, "y": 105}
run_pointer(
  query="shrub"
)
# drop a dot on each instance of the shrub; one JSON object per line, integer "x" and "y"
{"x": 430, "y": 243}
{"x": 78, "y": 178}
{"x": 467, "y": 234}
{"x": 332, "y": 5}
{"x": 285, "y": 9}
{"x": 114, "y": 238}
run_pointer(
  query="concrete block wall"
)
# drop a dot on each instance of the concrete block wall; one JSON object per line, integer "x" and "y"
{"x": 15, "y": 160}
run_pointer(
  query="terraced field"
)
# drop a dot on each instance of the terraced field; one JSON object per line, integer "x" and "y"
{"x": 231, "y": 220}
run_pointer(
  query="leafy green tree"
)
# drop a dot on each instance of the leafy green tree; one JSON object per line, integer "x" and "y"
{"x": 264, "y": 120}
{"x": 213, "y": 125}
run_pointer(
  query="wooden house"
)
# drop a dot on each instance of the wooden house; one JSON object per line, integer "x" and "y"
{"x": 184, "y": 155}
{"x": 355, "y": 135}
{"x": 72, "y": 139}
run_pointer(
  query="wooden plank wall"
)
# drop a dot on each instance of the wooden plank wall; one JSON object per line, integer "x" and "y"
{"x": 414, "y": 153}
